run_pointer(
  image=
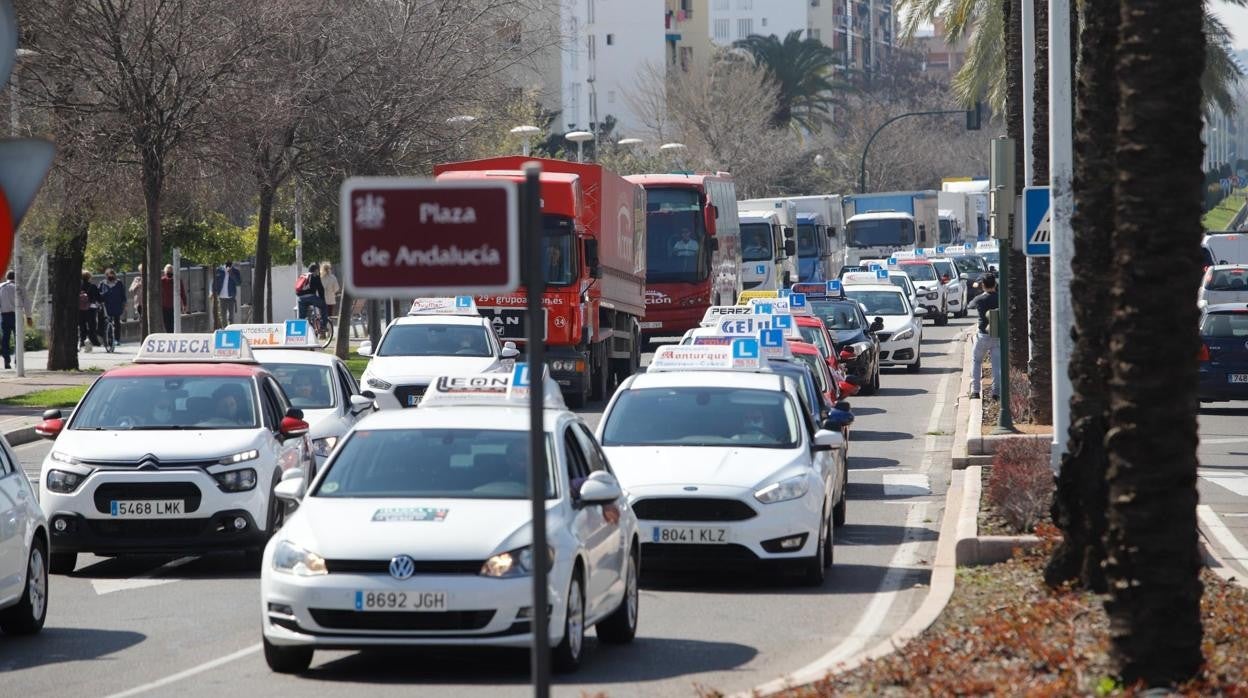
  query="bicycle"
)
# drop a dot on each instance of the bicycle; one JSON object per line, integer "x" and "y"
{"x": 108, "y": 331}
{"x": 324, "y": 327}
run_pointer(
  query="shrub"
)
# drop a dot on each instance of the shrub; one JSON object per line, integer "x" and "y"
{"x": 1020, "y": 396}
{"x": 1020, "y": 484}
{"x": 33, "y": 340}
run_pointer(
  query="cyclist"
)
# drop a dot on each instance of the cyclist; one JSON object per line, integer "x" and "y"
{"x": 311, "y": 292}
{"x": 114, "y": 293}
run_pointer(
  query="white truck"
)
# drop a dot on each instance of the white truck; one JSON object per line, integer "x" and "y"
{"x": 820, "y": 234}
{"x": 975, "y": 193}
{"x": 768, "y": 248}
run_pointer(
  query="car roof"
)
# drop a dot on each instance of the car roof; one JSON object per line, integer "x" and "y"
{"x": 1240, "y": 307}
{"x": 872, "y": 287}
{"x": 295, "y": 356}
{"x": 1217, "y": 267}
{"x": 504, "y": 417}
{"x": 465, "y": 320}
{"x": 803, "y": 347}
{"x": 187, "y": 369}
{"x": 705, "y": 379}
{"x": 808, "y": 320}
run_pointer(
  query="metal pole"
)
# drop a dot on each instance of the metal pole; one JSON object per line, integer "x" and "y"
{"x": 535, "y": 283}
{"x": 1029, "y": 128}
{"x": 862, "y": 164}
{"x": 177, "y": 297}
{"x": 1061, "y": 204}
{"x": 19, "y": 351}
{"x": 1003, "y": 205}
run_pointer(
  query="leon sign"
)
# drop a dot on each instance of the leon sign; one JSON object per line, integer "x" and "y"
{"x": 404, "y": 237}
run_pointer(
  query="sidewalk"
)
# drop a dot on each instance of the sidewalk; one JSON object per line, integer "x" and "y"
{"x": 17, "y": 423}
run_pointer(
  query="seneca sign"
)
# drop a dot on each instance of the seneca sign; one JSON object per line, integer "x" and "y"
{"x": 404, "y": 237}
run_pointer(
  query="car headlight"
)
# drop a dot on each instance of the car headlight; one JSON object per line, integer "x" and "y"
{"x": 240, "y": 457}
{"x": 784, "y": 490}
{"x": 62, "y": 457}
{"x": 236, "y": 480}
{"x": 63, "y": 481}
{"x": 324, "y": 445}
{"x": 860, "y": 348}
{"x": 292, "y": 559}
{"x": 904, "y": 334}
{"x": 515, "y": 563}
{"x": 933, "y": 296}
{"x": 378, "y": 383}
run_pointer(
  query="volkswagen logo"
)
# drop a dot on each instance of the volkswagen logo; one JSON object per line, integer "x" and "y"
{"x": 402, "y": 567}
{"x": 690, "y": 488}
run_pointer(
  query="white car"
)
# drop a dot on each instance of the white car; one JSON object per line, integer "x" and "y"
{"x": 178, "y": 452}
{"x": 417, "y": 532}
{"x": 932, "y": 293}
{"x": 422, "y": 346}
{"x": 1224, "y": 283}
{"x": 723, "y": 466}
{"x": 900, "y": 326}
{"x": 955, "y": 287}
{"x": 23, "y": 550}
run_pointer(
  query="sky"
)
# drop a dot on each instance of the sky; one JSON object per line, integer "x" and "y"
{"x": 1236, "y": 19}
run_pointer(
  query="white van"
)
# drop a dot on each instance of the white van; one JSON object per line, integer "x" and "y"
{"x": 1225, "y": 248}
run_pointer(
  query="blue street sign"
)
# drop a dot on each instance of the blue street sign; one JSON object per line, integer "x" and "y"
{"x": 797, "y": 300}
{"x": 771, "y": 339}
{"x": 296, "y": 328}
{"x": 940, "y": 250}
{"x": 781, "y": 322}
{"x": 834, "y": 287}
{"x": 881, "y": 274}
{"x": 227, "y": 339}
{"x": 1036, "y": 221}
{"x": 463, "y": 301}
{"x": 746, "y": 348}
{"x": 892, "y": 261}
{"x": 520, "y": 375}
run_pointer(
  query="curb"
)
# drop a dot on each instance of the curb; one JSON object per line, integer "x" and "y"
{"x": 22, "y": 436}
{"x": 1216, "y": 563}
{"x": 968, "y": 446}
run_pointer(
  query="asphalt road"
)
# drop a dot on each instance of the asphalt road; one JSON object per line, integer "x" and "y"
{"x": 190, "y": 625}
{"x": 1223, "y": 480}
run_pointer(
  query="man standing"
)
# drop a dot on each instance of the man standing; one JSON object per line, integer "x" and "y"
{"x": 985, "y": 344}
{"x": 10, "y": 296}
{"x": 225, "y": 284}
{"x": 114, "y": 294}
{"x": 166, "y": 297}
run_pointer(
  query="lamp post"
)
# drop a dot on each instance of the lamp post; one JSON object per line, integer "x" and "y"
{"x": 579, "y": 138}
{"x": 462, "y": 121}
{"x": 674, "y": 149}
{"x": 19, "y": 353}
{"x": 631, "y": 141}
{"x": 526, "y": 134}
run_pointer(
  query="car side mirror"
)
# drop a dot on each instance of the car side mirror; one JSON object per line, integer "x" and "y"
{"x": 847, "y": 389}
{"x": 788, "y": 232}
{"x": 369, "y": 394}
{"x": 709, "y": 214}
{"x": 790, "y": 247}
{"x": 838, "y": 420}
{"x": 293, "y": 427}
{"x": 877, "y": 324}
{"x": 509, "y": 350}
{"x": 831, "y": 231}
{"x": 828, "y": 440}
{"x": 591, "y": 258}
{"x": 360, "y": 403}
{"x": 291, "y": 489}
{"x": 944, "y": 278}
{"x": 600, "y": 488}
{"x": 992, "y": 268}
{"x": 964, "y": 277}
{"x": 843, "y": 406}
{"x": 920, "y": 311}
{"x": 713, "y": 243}
{"x": 366, "y": 348}
{"x": 52, "y": 424}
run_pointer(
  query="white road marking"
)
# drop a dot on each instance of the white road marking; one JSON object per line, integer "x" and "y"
{"x": 1234, "y": 483}
{"x": 1236, "y": 440}
{"x": 197, "y": 669}
{"x": 147, "y": 579}
{"x": 1214, "y": 526}
{"x": 906, "y": 485}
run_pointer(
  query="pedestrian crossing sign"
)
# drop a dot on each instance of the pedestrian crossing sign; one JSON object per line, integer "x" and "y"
{"x": 1036, "y": 220}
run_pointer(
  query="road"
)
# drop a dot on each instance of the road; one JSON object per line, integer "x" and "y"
{"x": 1223, "y": 480}
{"x": 190, "y": 625}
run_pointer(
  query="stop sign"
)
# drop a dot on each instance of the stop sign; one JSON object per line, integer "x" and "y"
{"x": 404, "y": 237}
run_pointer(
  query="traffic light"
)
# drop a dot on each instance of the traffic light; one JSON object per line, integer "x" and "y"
{"x": 973, "y": 116}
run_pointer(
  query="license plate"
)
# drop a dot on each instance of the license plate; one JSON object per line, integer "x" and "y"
{"x": 146, "y": 508}
{"x": 413, "y": 400}
{"x": 400, "y": 600}
{"x": 1237, "y": 378}
{"x": 688, "y": 534}
{"x": 651, "y": 325}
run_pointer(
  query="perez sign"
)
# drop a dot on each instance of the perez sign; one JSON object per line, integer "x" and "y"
{"x": 404, "y": 237}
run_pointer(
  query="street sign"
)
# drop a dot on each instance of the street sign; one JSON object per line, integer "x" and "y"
{"x": 1036, "y": 221}
{"x": 404, "y": 236}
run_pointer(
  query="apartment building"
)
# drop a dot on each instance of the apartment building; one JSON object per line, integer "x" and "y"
{"x": 941, "y": 59}
{"x": 863, "y": 31}
{"x": 607, "y": 46}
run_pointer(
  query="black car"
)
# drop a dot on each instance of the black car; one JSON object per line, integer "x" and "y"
{"x": 854, "y": 338}
{"x": 972, "y": 268}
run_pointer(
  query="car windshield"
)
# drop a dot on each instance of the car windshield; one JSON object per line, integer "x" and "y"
{"x": 308, "y": 387}
{"x": 433, "y": 464}
{"x": 945, "y": 269}
{"x": 559, "y": 255}
{"x": 880, "y": 302}
{"x": 902, "y": 282}
{"x": 435, "y": 340}
{"x": 946, "y": 231}
{"x": 675, "y": 236}
{"x": 836, "y": 316}
{"x": 807, "y": 240}
{"x": 168, "y": 402}
{"x": 756, "y": 242}
{"x": 969, "y": 265}
{"x": 1228, "y": 280}
{"x": 702, "y": 416}
{"x": 814, "y": 335}
{"x": 880, "y": 232}
{"x": 1225, "y": 325}
{"x": 920, "y": 272}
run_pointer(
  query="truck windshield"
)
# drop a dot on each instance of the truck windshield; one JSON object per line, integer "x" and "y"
{"x": 807, "y": 242}
{"x": 756, "y": 242}
{"x": 560, "y": 252}
{"x": 676, "y": 236}
{"x": 946, "y": 230}
{"x": 881, "y": 232}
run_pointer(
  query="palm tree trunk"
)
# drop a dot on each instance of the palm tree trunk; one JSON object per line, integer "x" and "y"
{"x": 1016, "y": 291}
{"x": 1039, "y": 368}
{"x": 1081, "y": 499}
{"x": 1153, "y": 560}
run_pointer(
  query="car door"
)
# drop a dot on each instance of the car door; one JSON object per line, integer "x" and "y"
{"x": 347, "y": 387}
{"x": 588, "y": 524}
{"x": 12, "y": 529}
{"x": 614, "y": 539}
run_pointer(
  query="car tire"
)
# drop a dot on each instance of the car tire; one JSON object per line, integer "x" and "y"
{"x": 621, "y": 626}
{"x": 287, "y": 660}
{"x": 839, "y": 511}
{"x": 873, "y": 386}
{"x": 942, "y": 318}
{"x": 27, "y": 615}
{"x": 815, "y": 568}
{"x": 566, "y": 656}
{"x": 918, "y": 363}
{"x": 62, "y": 563}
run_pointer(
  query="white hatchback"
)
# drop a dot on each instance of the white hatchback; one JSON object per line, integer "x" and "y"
{"x": 23, "y": 550}
{"x": 417, "y": 532}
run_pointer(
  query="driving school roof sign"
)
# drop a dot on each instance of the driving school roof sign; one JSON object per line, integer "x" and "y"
{"x": 404, "y": 236}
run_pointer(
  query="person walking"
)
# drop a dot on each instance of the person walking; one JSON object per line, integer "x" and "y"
{"x": 225, "y": 284}
{"x": 11, "y": 297}
{"x": 311, "y": 292}
{"x": 114, "y": 295}
{"x": 89, "y": 302}
{"x": 332, "y": 287}
{"x": 166, "y": 296}
{"x": 136, "y": 298}
{"x": 985, "y": 344}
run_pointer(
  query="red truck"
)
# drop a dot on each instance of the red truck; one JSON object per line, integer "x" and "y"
{"x": 693, "y": 257}
{"x": 594, "y": 252}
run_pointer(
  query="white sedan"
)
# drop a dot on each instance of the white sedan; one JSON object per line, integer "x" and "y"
{"x": 417, "y": 532}
{"x": 900, "y": 324}
{"x": 23, "y": 550}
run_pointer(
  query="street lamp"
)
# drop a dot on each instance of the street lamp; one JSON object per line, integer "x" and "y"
{"x": 674, "y": 150}
{"x": 579, "y": 138}
{"x": 631, "y": 141}
{"x": 527, "y": 133}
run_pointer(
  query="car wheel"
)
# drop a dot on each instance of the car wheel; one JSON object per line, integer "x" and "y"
{"x": 943, "y": 318}
{"x": 27, "y": 615}
{"x": 838, "y": 511}
{"x": 873, "y": 384}
{"x": 287, "y": 660}
{"x": 621, "y": 626}
{"x": 62, "y": 563}
{"x": 918, "y": 363}
{"x": 567, "y": 655}
{"x": 815, "y": 568}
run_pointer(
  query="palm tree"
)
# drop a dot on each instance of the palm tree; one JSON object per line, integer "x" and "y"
{"x": 803, "y": 70}
{"x": 1039, "y": 368}
{"x": 1153, "y": 561}
{"x": 1016, "y": 283}
{"x": 1081, "y": 498}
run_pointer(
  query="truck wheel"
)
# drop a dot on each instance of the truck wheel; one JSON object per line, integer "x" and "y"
{"x": 600, "y": 373}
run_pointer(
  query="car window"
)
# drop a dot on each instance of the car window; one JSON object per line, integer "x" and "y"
{"x": 1225, "y": 325}
{"x": 1235, "y": 279}
{"x": 436, "y": 340}
{"x": 308, "y": 387}
{"x": 920, "y": 272}
{"x": 578, "y": 465}
{"x": 6, "y": 464}
{"x": 274, "y": 405}
{"x": 701, "y": 416}
{"x": 169, "y": 403}
{"x": 814, "y": 335}
{"x": 593, "y": 453}
{"x": 837, "y": 316}
{"x": 945, "y": 269}
{"x": 881, "y": 302}
{"x": 812, "y": 362}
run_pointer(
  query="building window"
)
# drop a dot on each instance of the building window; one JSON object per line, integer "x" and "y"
{"x": 610, "y": 96}
{"x": 721, "y": 29}
{"x": 593, "y": 48}
{"x": 814, "y": 34}
{"x": 745, "y": 4}
{"x": 574, "y": 104}
{"x": 764, "y": 21}
{"x": 610, "y": 39}
{"x": 745, "y": 27}
{"x": 589, "y": 11}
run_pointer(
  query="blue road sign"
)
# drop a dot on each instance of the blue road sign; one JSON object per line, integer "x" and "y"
{"x": 770, "y": 339}
{"x": 834, "y": 287}
{"x": 296, "y": 328}
{"x": 227, "y": 339}
{"x": 745, "y": 348}
{"x": 797, "y": 300}
{"x": 1036, "y": 221}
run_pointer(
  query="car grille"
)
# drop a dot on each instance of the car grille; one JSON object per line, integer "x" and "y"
{"x": 151, "y": 463}
{"x": 693, "y": 509}
{"x": 883, "y": 356}
{"x": 403, "y": 392}
{"x": 401, "y": 620}
{"x": 148, "y": 529}
{"x": 883, "y": 336}
{"x": 107, "y": 493}
{"x": 422, "y": 566}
